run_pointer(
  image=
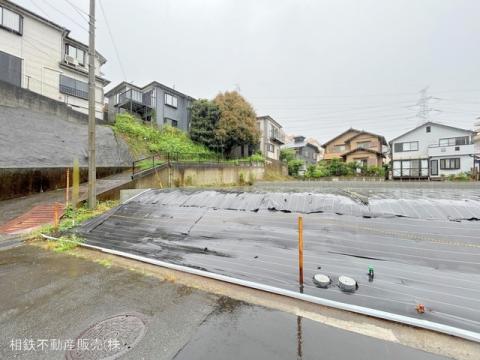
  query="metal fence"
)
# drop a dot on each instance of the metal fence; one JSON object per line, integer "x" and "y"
{"x": 168, "y": 158}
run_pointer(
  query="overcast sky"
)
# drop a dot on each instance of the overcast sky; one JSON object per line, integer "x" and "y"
{"x": 317, "y": 67}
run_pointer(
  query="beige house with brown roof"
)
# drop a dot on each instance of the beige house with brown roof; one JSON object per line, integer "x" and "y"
{"x": 356, "y": 146}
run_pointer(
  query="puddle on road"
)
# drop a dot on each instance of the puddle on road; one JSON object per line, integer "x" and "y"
{"x": 241, "y": 331}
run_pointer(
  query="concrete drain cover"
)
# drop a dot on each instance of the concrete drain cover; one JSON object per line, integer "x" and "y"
{"x": 321, "y": 280}
{"x": 347, "y": 283}
{"x": 109, "y": 339}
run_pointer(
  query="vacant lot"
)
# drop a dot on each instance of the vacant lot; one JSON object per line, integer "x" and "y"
{"x": 422, "y": 248}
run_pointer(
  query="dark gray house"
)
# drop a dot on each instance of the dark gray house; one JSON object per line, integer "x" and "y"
{"x": 153, "y": 102}
{"x": 304, "y": 150}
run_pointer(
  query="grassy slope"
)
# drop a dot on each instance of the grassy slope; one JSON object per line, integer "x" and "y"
{"x": 145, "y": 140}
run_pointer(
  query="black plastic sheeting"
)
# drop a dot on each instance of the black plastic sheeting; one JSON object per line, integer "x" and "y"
{"x": 433, "y": 262}
{"x": 307, "y": 203}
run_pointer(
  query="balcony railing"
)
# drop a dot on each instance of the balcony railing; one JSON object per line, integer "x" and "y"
{"x": 449, "y": 150}
{"x": 449, "y": 145}
{"x": 136, "y": 96}
{"x": 130, "y": 95}
{"x": 278, "y": 136}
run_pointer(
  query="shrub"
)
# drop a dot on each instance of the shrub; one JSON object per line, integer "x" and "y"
{"x": 317, "y": 171}
{"x": 375, "y": 171}
{"x": 337, "y": 168}
{"x": 294, "y": 166}
{"x": 257, "y": 157}
{"x": 287, "y": 154}
{"x": 459, "y": 177}
{"x": 150, "y": 139}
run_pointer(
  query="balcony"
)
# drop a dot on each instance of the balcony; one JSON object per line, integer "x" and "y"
{"x": 137, "y": 102}
{"x": 450, "y": 150}
{"x": 277, "y": 136}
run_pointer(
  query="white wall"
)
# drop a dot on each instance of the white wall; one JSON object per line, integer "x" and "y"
{"x": 466, "y": 165}
{"x": 425, "y": 139}
{"x": 41, "y": 48}
{"x": 265, "y": 128}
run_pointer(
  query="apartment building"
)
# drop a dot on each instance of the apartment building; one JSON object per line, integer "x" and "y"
{"x": 152, "y": 102}
{"x": 272, "y": 137}
{"x": 39, "y": 55}
{"x": 355, "y": 145}
{"x": 432, "y": 150}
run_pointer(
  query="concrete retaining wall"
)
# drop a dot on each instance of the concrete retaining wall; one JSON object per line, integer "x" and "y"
{"x": 15, "y": 182}
{"x": 276, "y": 166}
{"x": 179, "y": 175}
{"x": 14, "y": 96}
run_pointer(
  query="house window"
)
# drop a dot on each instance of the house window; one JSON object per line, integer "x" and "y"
{"x": 450, "y": 164}
{"x": 462, "y": 140}
{"x": 171, "y": 122}
{"x": 410, "y": 168}
{"x": 364, "y": 145}
{"x": 171, "y": 100}
{"x": 339, "y": 148}
{"x": 75, "y": 53}
{"x": 11, "y": 21}
{"x": 406, "y": 146}
{"x": 271, "y": 148}
{"x": 428, "y": 129}
{"x": 73, "y": 87}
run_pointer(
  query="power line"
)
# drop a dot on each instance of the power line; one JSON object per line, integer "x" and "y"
{"x": 79, "y": 11}
{"x": 113, "y": 42}
{"x": 39, "y": 9}
{"x": 67, "y": 16}
{"x": 294, "y": 97}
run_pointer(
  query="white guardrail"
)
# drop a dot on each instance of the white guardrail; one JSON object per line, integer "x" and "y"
{"x": 424, "y": 324}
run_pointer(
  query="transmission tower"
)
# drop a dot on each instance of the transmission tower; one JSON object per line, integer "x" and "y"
{"x": 423, "y": 106}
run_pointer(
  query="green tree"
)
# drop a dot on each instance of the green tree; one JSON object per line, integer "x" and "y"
{"x": 294, "y": 164}
{"x": 287, "y": 154}
{"x": 238, "y": 121}
{"x": 204, "y": 122}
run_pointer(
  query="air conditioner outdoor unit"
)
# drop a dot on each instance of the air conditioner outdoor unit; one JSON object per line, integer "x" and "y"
{"x": 71, "y": 60}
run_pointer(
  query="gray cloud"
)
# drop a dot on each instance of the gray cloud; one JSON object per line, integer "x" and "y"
{"x": 318, "y": 67}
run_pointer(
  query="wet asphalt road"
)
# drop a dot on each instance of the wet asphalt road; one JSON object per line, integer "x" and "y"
{"x": 44, "y": 295}
{"x": 246, "y": 332}
{"x": 432, "y": 262}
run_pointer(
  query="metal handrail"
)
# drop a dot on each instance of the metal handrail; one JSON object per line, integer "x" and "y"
{"x": 453, "y": 145}
{"x": 161, "y": 158}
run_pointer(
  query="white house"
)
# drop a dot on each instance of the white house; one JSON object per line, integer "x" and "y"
{"x": 432, "y": 150}
{"x": 39, "y": 55}
{"x": 272, "y": 137}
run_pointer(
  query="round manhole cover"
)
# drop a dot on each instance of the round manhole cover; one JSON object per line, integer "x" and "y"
{"x": 109, "y": 339}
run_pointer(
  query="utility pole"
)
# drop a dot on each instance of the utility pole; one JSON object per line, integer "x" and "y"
{"x": 92, "y": 171}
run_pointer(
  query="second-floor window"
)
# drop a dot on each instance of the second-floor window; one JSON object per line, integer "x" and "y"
{"x": 73, "y": 87}
{"x": 463, "y": 140}
{"x": 11, "y": 21}
{"x": 364, "y": 145}
{"x": 72, "y": 52}
{"x": 339, "y": 148}
{"x": 271, "y": 148}
{"x": 171, "y": 100}
{"x": 406, "y": 146}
